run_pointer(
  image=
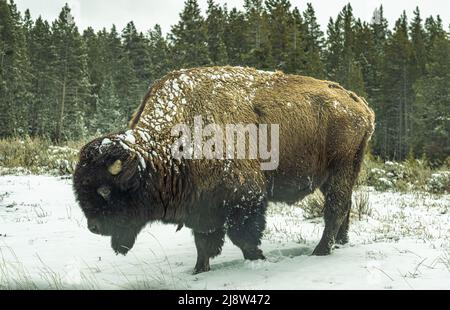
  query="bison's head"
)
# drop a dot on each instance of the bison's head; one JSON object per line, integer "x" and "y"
{"x": 110, "y": 188}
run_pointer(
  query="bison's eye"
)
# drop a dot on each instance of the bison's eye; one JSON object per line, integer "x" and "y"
{"x": 105, "y": 192}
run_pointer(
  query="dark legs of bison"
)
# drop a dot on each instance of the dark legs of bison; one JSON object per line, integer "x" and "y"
{"x": 245, "y": 229}
{"x": 342, "y": 235}
{"x": 208, "y": 246}
{"x": 338, "y": 194}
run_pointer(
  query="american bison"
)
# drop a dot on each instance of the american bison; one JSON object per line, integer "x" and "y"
{"x": 124, "y": 181}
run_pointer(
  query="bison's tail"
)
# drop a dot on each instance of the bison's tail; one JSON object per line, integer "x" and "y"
{"x": 359, "y": 156}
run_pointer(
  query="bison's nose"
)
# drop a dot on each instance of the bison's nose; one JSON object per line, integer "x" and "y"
{"x": 93, "y": 228}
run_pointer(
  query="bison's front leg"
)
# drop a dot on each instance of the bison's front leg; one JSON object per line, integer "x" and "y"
{"x": 246, "y": 225}
{"x": 208, "y": 246}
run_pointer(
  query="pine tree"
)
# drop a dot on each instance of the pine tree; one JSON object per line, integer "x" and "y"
{"x": 258, "y": 48}
{"x": 297, "y": 62}
{"x": 280, "y": 28}
{"x": 432, "y": 92}
{"x": 379, "y": 29}
{"x": 235, "y": 37}
{"x": 363, "y": 52}
{"x": 14, "y": 72}
{"x": 59, "y": 84}
{"x": 215, "y": 29}
{"x": 344, "y": 56}
{"x": 108, "y": 117}
{"x": 43, "y": 84}
{"x": 398, "y": 91}
{"x": 434, "y": 31}
{"x": 136, "y": 48}
{"x": 334, "y": 48}
{"x": 314, "y": 42}
{"x": 96, "y": 68}
{"x": 189, "y": 37}
{"x": 374, "y": 76}
{"x": 113, "y": 51}
{"x": 27, "y": 23}
{"x": 159, "y": 52}
{"x": 418, "y": 45}
{"x": 71, "y": 77}
{"x": 350, "y": 74}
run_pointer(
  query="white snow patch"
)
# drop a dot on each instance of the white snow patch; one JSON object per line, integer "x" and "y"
{"x": 128, "y": 136}
{"x": 106, "y": 142}
{"x": 44, "y": 241}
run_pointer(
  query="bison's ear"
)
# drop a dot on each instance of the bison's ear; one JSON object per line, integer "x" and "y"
{"x": 115, "y": 168}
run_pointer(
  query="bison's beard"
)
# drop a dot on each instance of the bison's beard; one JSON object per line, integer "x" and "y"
{"x": 123, "y": 241}
{"x": 122, "y": 230}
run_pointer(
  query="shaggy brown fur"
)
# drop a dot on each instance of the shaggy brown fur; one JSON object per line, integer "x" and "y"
{"x": 324, "y": 130}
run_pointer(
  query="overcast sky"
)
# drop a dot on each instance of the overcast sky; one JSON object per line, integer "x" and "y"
{"x": 147, "y": 13}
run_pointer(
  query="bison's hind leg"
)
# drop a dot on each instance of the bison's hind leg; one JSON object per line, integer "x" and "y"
{"x": 338, "y": 201}
{"x": 246, "y": 224}
{"x": 208, "y": 245}
{"x": 342, "y": 235}
{"x": 338, "y": 196}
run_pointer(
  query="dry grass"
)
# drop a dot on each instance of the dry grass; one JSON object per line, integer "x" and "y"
{"x": 313, "y": 205}
{"x": 408, "y": 176}
{"x": 36, "y": 155}
{"x": 361, "y": 205}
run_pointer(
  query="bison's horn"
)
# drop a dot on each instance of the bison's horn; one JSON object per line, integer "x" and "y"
{"x": 115, "y": 168}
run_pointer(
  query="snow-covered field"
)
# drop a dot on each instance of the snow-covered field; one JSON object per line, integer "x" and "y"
{"x": 44, "y": 243}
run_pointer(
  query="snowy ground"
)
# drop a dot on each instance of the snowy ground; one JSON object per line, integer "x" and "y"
{"x": 44, "y": 243}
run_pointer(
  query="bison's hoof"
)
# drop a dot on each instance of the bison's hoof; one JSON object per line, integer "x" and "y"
{"x": 342, "y": 240}
{"x": 321, "y": 251}
{"x": 201, "y": 268}
{"x": 254, "y": 255}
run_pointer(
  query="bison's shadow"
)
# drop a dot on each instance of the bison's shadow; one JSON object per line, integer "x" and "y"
{"x": 292, "y": 252}
{"x": 273, "y": 256}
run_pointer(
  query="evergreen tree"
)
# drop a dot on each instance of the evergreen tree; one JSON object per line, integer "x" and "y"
{"x": 280, "y": 29}
{"x": 379, "y": 29}
{"x": 374, "y": 76}
{"x": 43, "y": 83}
{"x": 71, "y": 78}
{"x": 398, "y": 91}
{"x": 343, "y": 60}
{"x": 128, "y": 86}
{"x": 314, "y": 42}
{"x": 434, "y": 30}
{"x": 432, "y": 105}
{"x": 418, "y": 45}
{"x": 235, "y": 37}
{"x": 258, "y": 48}
{"x": 363, "y": 53}
{"x": 14, "y": 72}
{"x": 159, "y": 52}
{"x": 350, "y": 70}
{"x": 136, "y": 48}
{"x": 108, "y": 117}
{"x": 334, "y": 48}
{"x": 96, "y": 67}
{"x": 59, "y": 84}
{"x": 215, "y": 28}
{"x": 297, "y": 62}
{"x": 189, "y": 37}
